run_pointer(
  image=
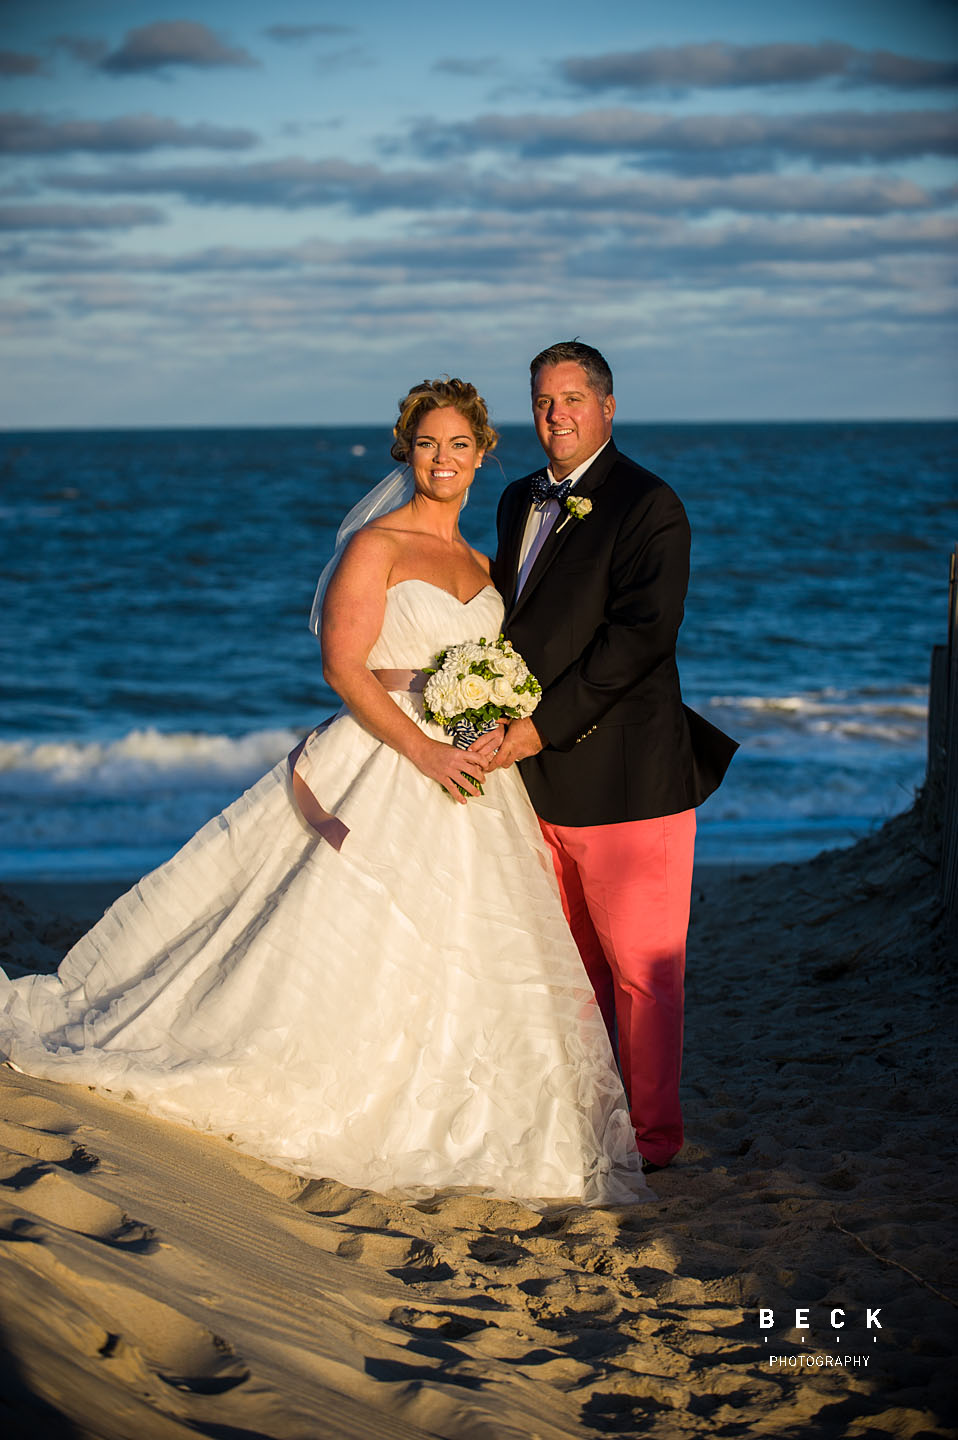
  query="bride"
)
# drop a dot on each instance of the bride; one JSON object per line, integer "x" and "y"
{"x": 375, "y": 984}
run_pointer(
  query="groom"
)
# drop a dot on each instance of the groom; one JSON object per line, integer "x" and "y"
{"x": 593, "y": 564}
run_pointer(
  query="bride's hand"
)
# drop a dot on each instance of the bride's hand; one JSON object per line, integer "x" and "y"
{"x": 452, "y": 768}
{"x": 487, "y": 745}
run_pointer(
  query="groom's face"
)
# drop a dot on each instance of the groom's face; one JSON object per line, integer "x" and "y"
{"x": 571, "y": 420}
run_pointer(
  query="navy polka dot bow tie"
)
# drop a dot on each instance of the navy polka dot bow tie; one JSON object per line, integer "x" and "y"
{"x": 541, "y": 489}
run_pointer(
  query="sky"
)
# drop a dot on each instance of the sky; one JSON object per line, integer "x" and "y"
{"x": 289, "y": 212}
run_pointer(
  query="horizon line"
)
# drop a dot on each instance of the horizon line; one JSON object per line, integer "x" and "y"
{"x": 526, "y": 421}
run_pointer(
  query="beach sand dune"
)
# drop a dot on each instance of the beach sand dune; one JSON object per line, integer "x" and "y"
{"x": 157, "y": 1283}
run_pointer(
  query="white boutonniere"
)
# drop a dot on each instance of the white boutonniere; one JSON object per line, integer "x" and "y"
{"x": 577, "y": 508}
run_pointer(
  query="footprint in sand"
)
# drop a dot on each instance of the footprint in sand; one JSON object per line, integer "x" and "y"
{"x": 56, "y": 1148}
{"x": 42, "y": 1194}
{"x": 137, "y": 1336}
{"x": 138, "y": 1339}
{"x": 407, "y": 1258}
{"x": 35, "y": 1128}
{"x": 38, "y": 1113}
{"x": 180, "y": 1352}
{"x": 496, "y": 1250}
{"x": 441, "y": 1324}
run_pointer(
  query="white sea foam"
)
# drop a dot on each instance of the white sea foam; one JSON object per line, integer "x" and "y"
{"x": 815, "y": 768}
{"x": 120, "y": 806}
{"x": 139, "y": 760}
{"x": 880, "y": 717}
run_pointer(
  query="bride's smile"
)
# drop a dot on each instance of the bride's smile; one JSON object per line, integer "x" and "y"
{"x": 444, "y": 455}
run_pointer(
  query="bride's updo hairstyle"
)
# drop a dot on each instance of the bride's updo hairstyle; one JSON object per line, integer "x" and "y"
{"x": 440, "y": 395}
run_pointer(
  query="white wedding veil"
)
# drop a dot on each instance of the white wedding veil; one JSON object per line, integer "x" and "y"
{"x": 393, "y": 491}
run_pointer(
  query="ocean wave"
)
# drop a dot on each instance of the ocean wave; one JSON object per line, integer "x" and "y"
{"x": 140, "y": 760}
{"x": 810, "y": 769}
{"x": 873, "y": 716}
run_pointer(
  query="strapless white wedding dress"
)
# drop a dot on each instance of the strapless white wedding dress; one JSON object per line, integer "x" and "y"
{"x": 408, "y": 1013}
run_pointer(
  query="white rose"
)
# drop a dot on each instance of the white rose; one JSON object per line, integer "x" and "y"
{"x": 452, "y": 696}
{"x": 502, "y": 692}
{"x": 474, "y": 691}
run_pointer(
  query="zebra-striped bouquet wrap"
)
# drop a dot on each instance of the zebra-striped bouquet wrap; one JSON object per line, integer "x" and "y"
{"x": 472, "y": 686}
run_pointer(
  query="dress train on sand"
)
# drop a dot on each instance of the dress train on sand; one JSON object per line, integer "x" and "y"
{"x": 407, "y": 1013}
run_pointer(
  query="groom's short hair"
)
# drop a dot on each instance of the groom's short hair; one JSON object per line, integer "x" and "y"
{"x": 593, "y": 363}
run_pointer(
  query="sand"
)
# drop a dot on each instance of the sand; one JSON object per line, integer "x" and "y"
{"x": 156, "y": 1283}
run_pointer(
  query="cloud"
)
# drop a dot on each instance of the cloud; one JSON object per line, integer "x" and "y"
{"x": 15, "y": 62}
{"x": 291, "y": 184}
{"x": 213, "y": 260}
{"x": 738, "y": 244}
{"x": 173, "y": 42}
{"x": 499, "y": 256}
{"x": 490, "y": 255}
{"x": 297, "y": 128}
{"x": 89, "y": 50}
{"x": 712, "y": 142}
{"x": 292, "y": 33}
{"x": 22, "y": 134}
{"x": 748, "y": 296}
{"x": 792, "y": 271}
{"x": 650, "y": 196}
{"x": 295, "y": 184}
{"x": 716, "y": 65}
{"x": 78, "y": 217}
{"x": 352, "y": 56}
{"x": 14, "y": 314}
{"x": 478, "y": 67}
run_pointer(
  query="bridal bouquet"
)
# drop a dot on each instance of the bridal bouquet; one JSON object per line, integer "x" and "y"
{"x": 472, "y": 686}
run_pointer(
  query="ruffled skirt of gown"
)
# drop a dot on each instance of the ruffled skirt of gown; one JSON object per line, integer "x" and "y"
{"x": 406, "y": 1014}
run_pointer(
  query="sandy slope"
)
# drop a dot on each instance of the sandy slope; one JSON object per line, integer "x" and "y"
{"x": 156, "y": 1283}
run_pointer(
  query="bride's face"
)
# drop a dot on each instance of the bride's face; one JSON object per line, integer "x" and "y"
{"x": 444, "y": 455}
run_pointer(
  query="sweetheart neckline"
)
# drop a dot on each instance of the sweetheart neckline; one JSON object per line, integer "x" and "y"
{"x": 415, "y": 580}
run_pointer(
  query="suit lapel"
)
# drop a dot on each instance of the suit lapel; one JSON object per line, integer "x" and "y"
{"x": 587, "y": 484}
{"x": 514, "y": 529}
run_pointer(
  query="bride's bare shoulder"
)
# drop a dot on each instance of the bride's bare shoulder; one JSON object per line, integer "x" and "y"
{"x": 480, "y": 559}
{"x": 371, "y": 551}
{"x": 392, "y": 520}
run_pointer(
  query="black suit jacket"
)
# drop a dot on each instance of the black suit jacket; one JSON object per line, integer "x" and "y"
{"x": 597, "y": 622}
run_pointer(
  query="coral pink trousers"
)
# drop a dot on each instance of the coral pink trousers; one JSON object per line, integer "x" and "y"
{"x": 626, "y": 891}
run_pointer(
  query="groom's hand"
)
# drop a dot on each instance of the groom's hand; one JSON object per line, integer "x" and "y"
{"x": 484, "y": 749}
{"x": 521, "y": 740}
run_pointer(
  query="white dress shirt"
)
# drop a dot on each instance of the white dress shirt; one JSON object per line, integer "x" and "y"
{"x": 540, "y": 522}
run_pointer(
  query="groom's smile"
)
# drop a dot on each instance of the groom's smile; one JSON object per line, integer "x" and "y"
{"x": 572, "y": 421}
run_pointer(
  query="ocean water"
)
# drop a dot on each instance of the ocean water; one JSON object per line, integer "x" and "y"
{"x": 155, "y": 588}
